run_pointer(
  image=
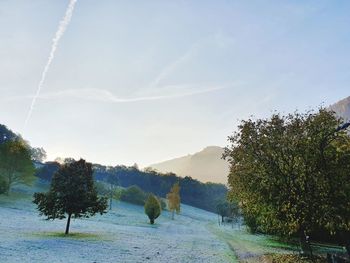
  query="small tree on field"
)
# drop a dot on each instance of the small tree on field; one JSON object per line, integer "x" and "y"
{"x": 222, "y": 209}
{"x": 152, "y": 208}
{"x": 15, "y": 164}
{"x": 112, "y": 181}
{"x": 174, "y": 199}
{"x": 72, "y": 194}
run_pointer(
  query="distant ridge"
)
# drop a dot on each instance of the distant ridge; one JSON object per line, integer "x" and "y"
{"x": 205, "y": 166}
{"x": 342, "y": 108}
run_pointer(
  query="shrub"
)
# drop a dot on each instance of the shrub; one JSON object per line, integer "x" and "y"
{"x": 152, "y": 208}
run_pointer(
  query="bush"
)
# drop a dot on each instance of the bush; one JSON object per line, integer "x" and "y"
{"x": 152, "y": 208}
{"x": 133, "y": 195}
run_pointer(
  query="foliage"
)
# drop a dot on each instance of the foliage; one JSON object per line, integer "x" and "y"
{"x": 6, "y": 134}
{"x": 223, "y": 209}
{"x": 134, "y": 195}
{"x": 15, "y": 164}
{"x": 227, "y": 209}
{"x": 72, "y": 193}
{"x": 193, "y": 192}
{"x": 152, "y": 208}
{"x": 291, "y": 173}
{"x": 174, "y": 200}
{"x": 47, "y": 170}
{"x": 38, "y": 154}
{"x": 292, "y": 258}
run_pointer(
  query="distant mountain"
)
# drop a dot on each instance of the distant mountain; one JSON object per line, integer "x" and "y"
{"x": 205, "y": 166}
{"x": 342, "y": 108}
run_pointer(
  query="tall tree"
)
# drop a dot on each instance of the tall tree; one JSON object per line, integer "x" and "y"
{"x": 152, "y": 208}
{"x": 6, "y": 134}
{"x": 291, "y": 174}
{"x": 72, "y": 194}
{"x": 112, "y": 181}
{"x": 174, "y": 199}
{"x": 15, "y": 164}
{"x": 38, "y": 154}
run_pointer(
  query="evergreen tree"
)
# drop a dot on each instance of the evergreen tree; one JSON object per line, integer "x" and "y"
{"x": 152, "y": 208}
{"x": 174, "y": 199}
{"x": 15, "y": 164}
{"x": 72, "y": 194}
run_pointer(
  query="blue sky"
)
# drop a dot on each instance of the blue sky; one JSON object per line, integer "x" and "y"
{"x": 145, "y": 81}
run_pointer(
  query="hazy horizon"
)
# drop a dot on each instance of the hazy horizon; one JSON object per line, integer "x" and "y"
{"x": 150, "y": 81}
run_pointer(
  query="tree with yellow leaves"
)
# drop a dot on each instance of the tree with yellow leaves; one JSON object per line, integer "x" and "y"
{"x": 174, "y": 199}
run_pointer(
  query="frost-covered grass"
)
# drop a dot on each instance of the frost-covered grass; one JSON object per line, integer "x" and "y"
{"x": 121, "y": 235}
{"x": 124, "y": 235}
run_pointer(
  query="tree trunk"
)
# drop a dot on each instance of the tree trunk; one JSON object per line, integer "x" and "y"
{"x": 68, "y": 223}
{"x": 222, "y": 219}
{"x": 110, "y": 203}
{"x": 305, "y": 247}
{"x": 172, "y": 214}
{"x": 347, "y": 247}
{"x": 151, "y": 221}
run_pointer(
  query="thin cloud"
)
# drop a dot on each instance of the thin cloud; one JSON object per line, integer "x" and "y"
{"x": 103, "y": 95}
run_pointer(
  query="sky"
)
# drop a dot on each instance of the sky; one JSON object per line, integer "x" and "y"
{"x": 146, "y": 81}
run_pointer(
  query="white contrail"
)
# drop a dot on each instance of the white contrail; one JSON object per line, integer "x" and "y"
{"x": 59, "y": 33}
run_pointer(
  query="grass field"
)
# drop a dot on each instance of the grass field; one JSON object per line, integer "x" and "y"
{"x": 123, "y": 235}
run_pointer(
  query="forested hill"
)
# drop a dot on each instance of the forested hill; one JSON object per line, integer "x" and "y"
{"x": 201, "y": 195}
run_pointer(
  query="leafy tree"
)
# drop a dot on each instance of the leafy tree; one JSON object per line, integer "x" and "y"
{"x": 38, "y": 154}
{"x": 152, "y": 208}
{"x": 174, "y": 199}
{"x": 291, "y": 174}
{"x": 223, "y": 209}
{"x": 134, "y": 195}
{"x": 6, "y": 134}
{"x": 72, "y": 194}
{"x": 15, "y": 164}
{"x": 112, "y": 181}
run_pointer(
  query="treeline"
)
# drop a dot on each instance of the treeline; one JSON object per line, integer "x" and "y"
{"x": 201, "y": 195}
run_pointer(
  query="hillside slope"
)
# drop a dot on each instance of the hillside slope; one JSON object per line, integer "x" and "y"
{"x": 342, "y": 108}
{"x": 205, "y": 166}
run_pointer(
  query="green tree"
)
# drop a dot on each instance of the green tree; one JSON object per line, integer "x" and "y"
{"x": 112, "y": 181}
{"x": 174, "y": 199}
{"x": 291, "y": 174}
{"x": 15, "y": 164}
{"x": 133, "y": 195}
{"x": 38, "y": 154}
{"x": 223, "y": 209}
{"x": 72, "y": 194}
{"x": 152, "y": 208}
